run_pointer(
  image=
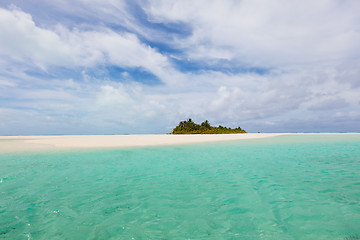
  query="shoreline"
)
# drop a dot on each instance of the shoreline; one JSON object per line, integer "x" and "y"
{"x": 63, "y": 142}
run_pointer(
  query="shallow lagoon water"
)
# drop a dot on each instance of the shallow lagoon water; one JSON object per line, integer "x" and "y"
{"x": 288, "y": 187}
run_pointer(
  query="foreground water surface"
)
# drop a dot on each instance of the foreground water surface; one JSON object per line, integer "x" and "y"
{"x": 288, "y": 187}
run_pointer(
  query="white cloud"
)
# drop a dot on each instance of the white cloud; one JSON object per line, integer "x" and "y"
{"x": 247, "y": 99}
{"x": 22, "y": 41}
{"x": 20, "y": 38}
{"x": 6, "y": 83}
{"x": 265, "y": 33}
{"x": 329, "y": 104}
{"x": 310, "y": 49}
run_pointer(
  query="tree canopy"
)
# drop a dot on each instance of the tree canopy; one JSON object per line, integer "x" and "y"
{"x": 189, "y": 127}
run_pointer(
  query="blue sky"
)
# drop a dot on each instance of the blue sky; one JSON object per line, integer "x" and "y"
{"x": 118, "y": 67}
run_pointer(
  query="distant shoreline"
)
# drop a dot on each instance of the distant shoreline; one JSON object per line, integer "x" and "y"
{"x": 39, "y": 143}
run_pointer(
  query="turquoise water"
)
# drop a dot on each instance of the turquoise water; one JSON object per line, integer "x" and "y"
{"x": 288, "y": 187}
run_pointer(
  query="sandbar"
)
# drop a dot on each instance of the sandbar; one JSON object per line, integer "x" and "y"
{"x": 29, "y": 143}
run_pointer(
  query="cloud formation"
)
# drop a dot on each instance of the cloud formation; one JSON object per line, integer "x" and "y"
{"x": 143, "y": 66}
{"x": 263, "y": 33}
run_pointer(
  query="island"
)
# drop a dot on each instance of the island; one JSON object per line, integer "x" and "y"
{"x": 189, "y": 127}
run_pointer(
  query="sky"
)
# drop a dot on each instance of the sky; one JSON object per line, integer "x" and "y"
{"x": 138, "y": 66}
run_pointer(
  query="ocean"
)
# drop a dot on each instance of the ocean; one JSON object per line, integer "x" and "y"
{"x": 287, "y": 187}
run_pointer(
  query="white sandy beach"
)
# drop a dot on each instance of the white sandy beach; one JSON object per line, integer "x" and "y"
{"x": 25, "y": 143}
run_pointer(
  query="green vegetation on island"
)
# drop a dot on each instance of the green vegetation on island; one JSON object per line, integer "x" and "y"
{"x": 189, "y": 127}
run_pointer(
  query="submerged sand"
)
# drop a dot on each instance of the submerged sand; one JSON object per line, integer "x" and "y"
{"x": 25, "y": 143}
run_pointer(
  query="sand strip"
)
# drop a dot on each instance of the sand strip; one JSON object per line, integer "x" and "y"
{"x": 25, "y": 143}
